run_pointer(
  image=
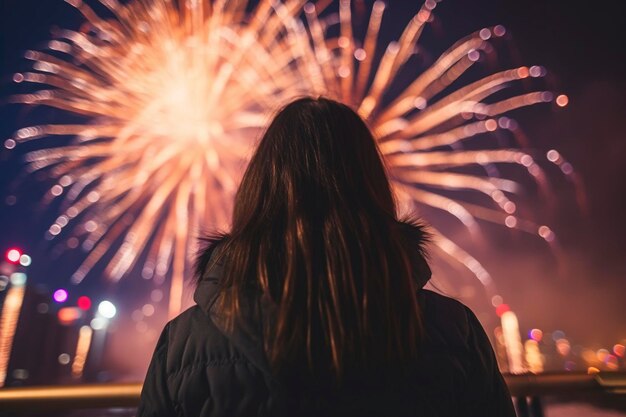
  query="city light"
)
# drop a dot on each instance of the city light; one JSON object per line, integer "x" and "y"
{"x": 107, "y": 309}
{"x": 18, "y": 279}
{"x": 562, "y": 100}
{"x": 84, "y": 302}
{"x": 82, "y": 350}
{"x": 536, "y": 335}
{"x": 69, "y": 315}
{"x": 512, "y": 342}
{"x": 13, "y": 255}
{"x": 60, "y": 295}
{"x": 8, "y": 321}
{"x": 25, "y": 260}
{"x": 98, "y": 323}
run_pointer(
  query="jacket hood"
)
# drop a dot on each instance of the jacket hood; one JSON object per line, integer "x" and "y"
{"x": 247, "y": 336}
{"x": 208, "y": 287}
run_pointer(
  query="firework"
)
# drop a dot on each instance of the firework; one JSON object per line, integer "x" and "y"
{"x": 421, "y": 130}
{"x": 175, "y": 93}
{"x": 174, "y": 96}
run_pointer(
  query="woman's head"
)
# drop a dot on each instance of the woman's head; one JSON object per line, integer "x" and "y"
{"x": 317, "y": 155}
{"x": 314, "y": 230}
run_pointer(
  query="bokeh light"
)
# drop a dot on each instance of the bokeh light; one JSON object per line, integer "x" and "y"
{"x": 536, "y": 335}
{"x": 13, "y": 255}
{"x": 69, "y": 315}
{"x": 501, "y": 309}
{"x": 18, "y": 279}
{"x": 64, "y": 358}
{"x": 107, "y": 309}
{"x": 147, "y": 310}
{"x": 25, "y": 260}
{"x": 60, "y": 295}
{"x": 84, "y": 302}
{"x": 98, "y": 323}
{"x": 562, "y": 100}
{"x": 563, "y": 347}
{"x": 602, "y": 354}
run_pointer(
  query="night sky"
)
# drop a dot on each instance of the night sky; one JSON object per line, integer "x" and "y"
{"x": 579, "y": 289}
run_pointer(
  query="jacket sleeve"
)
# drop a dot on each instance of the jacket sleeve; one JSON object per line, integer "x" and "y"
{"x": 155, "y": 400}
{"x": 487, "y": 394}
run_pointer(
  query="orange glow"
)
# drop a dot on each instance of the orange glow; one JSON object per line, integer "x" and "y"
{"x": 589, "y": 356}
{"x": 563, "y": 347}
{"x": 82, "y": 349}
{"x": 533, "y": 356}
{"x": 523, "y": 72}
{"x": 562, "y": 100}
{"x": 491, "y": 125}
{"x": 68, "y": 315}
{"x": 546, "y": 233}
{"x": 602, "y": 354}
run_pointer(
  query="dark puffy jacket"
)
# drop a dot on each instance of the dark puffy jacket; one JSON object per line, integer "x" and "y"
{"x": 200, "y": 370}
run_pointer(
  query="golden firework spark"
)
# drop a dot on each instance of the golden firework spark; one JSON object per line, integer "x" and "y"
{"x": 175, "y": 93}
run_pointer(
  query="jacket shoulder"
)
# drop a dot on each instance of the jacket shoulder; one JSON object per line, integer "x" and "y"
{"x": 194, "y": 340}
{"x": 446, "y": 320}
{"x": 437, "y": 300}
{"x": 438, "y": 306}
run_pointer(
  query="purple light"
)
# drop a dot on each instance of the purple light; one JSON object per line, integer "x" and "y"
{"x": 60, "y": 296}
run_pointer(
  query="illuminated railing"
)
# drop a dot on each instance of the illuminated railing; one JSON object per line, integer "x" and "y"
{"x": 127, "y": 394}
{"x": 561, "y": 383}
{"x": 70, "y": 397}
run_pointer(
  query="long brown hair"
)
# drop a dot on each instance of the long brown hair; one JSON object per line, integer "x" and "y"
{"x": 315, "y": 233}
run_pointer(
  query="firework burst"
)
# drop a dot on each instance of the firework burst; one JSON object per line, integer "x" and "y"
{"x": 175, "y": 93}
{"x": 421, "y": 130}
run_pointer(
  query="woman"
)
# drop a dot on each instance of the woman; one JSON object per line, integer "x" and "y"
{"x": 313, "y": 304}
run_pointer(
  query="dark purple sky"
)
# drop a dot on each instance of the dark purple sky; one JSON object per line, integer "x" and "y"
{"x": 581, "y": 46}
